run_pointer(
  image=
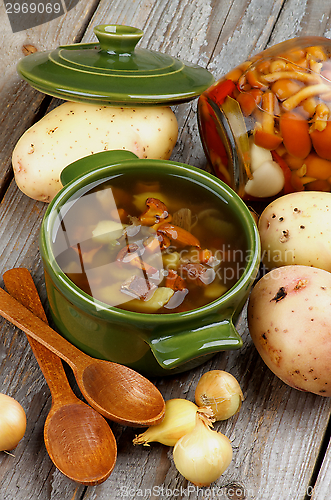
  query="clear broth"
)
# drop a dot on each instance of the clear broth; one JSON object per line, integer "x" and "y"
{"x": 103, "y": 243}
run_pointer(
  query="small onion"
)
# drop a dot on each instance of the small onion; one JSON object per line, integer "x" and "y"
{"x": 179, "y": 418}
{"x": 203, "y": 454}
{"x": 12, "y": 422}
{"x": 221, "y": 391}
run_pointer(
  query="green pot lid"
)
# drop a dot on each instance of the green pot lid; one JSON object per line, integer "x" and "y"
{"x": 114, "y": 72}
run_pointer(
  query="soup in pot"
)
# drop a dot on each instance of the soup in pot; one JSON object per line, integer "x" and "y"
{"x": 150, "y": 244}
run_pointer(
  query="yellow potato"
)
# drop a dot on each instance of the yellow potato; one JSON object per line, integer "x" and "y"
{"x": 160, "y": 297}
{"x": 75, "y": 130}
{"x": 296, "y": 229}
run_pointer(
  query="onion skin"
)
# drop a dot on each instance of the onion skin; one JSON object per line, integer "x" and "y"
{"x": 179, "y": 419}
{"x": 221, "y": 391}
{"x": 12, "y": 422}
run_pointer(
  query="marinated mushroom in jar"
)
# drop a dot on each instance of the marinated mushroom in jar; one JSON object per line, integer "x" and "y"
{"x": 266, "y": 125}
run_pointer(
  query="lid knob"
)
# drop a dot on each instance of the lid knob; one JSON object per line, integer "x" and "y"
{"x": 117, "y": 39}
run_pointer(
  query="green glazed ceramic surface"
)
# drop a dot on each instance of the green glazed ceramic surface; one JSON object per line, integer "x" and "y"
{"x": 113, "y": 71}
{"x": 153, "y": 344}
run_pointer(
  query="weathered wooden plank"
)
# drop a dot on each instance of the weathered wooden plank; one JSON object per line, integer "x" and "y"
{"x": 20, "y": 222}
{"x": 263, "y": 466}
{"x": 321, "y": 488}
{"x": 29, "y": 474}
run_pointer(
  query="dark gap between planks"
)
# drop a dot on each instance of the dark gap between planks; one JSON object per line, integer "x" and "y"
{"x": 319, "y": 461}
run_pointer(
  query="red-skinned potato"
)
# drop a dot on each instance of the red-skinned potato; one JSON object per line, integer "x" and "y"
{"x": 290, "y": 324}
{"x": 74, "y": 130}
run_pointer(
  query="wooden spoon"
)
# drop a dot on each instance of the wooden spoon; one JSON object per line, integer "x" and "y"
{"x": 78, "y": 439}
{"x": 116, "y": 391}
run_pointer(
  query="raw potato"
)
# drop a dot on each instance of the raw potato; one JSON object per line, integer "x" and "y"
{"x": 290, "y": 323}
{"x": 296, "y": 229}
{"x": 75, "y": 130}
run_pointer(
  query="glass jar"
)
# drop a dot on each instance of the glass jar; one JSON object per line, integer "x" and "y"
{"x": 266, "y": 125}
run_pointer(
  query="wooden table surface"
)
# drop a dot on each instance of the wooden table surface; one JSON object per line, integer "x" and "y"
{"x": 281, "y": 436}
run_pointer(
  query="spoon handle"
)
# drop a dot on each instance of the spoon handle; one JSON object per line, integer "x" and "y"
{"x": 20, "y": 285}
{"x": 24, "y": 319}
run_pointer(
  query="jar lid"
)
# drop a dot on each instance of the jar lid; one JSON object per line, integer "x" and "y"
{"x": 114, "y": 72}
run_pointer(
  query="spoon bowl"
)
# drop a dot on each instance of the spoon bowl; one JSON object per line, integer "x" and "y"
{"x": 78, "y": 439}
{"x": 144, "y": 405}
{"x": 80, "y": 443}
{"x": 116, "y": 391}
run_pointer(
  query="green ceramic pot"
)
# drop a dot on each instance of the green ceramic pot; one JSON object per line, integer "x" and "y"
{"x": 153, "y": 344}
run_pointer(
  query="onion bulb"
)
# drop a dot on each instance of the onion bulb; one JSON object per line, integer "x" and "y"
{"x": 12, "y": 422}
{"x": 203, "y": 454}
{"x": 221, "y": 391}
{"x": 179, "y": 419}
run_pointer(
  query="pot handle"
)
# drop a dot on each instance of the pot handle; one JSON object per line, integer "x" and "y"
{"x": 94, "y": 161}
{"x": 176, "y": 348}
